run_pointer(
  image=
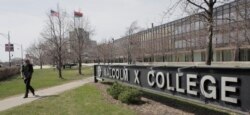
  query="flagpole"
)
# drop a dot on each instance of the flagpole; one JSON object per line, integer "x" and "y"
{"x": 74, "y": 21}
{"x": 58, "y": 10}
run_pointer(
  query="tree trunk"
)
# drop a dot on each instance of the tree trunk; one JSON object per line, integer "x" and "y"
{"x": 237, "y": 53}
{"x": 80, "y": 65}
{"x": 41, "y": 65}
{"x": 210, "y": 36}
{"x": 129, "y": 58}
{"x": 60, "y": 65}
{"x": 209, "y": 46}
{"x": 192, "y": 55}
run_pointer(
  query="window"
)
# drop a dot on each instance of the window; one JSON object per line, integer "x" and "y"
{"x": 192, "y": 26}
{"x": 219, "y": 39}
{"x": 226, "y": 17}
{"x": 178, "y": 44}
{"x": 242, "y": 36}
{"x": 188, "y": 28}
{"x": 202, "y": 24}
{"x": 219, "y": 20}
{"x": 227, "y": 55}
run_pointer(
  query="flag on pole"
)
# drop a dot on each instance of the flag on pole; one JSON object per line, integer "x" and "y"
{"x": 78, "y": 14}
{"x": 54, "y": 13}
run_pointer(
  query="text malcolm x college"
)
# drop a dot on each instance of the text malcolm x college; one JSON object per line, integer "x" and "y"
{"x": 207, "y": 85}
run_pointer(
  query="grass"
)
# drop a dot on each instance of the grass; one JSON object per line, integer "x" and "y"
{"x": 41, "y": 79}
{"x": 85, "y": 100}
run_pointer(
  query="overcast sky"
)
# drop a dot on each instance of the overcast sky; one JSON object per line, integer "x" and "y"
{"x": 26, "y": 18}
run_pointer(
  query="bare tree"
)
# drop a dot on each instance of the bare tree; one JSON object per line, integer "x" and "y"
{"x": 36, "y": 51}
{"x": 103, "y": 51}
{"x": 208, "y": 14}
{"x": 240, "y": 25}
{"x": 131, "y": 42}
{"x": 80, "y": 38}
{"x": 208, "y": 7}
{"x": 55, "y": 32}
{"x": 49, "y": 53}
{"x": 205, "y": 9}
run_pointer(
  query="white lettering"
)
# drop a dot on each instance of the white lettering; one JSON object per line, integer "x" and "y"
{"x": 178, "y": 81}
{"x": 113, "y": 73}
{"x": 137, "y": 81}
{"x": 159, "y": 76}
{"x": 121, "y": 76}
{"x": 117, "y": 73}
{"x": 149, "y": 77}
{"x": 213, "y": 93}
{"x": 225, "y": 88}
{"x": 125, "y": 74}
{"x": 168, "y": 83}
{"x": 191, "y": 83}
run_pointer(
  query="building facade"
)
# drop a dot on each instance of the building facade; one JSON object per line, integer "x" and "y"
{"x": 184, "y": 40}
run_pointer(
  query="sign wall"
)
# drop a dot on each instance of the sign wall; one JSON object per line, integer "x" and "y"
{"x": 227, "y": 87}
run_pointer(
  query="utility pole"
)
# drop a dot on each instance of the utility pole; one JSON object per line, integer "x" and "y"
{"x": 22, "y": 53}
{"x": 21, "y": 46}
{"x": 9, "y": 48}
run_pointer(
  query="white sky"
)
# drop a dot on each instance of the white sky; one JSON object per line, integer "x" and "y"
{"x": 110, "y": 18}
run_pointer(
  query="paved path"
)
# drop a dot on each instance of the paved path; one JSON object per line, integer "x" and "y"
{"x": 18, "y": 100}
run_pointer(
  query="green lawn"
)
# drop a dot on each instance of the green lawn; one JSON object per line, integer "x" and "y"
{"x": 41, "y": 79}
{"x": 85, "y": 100}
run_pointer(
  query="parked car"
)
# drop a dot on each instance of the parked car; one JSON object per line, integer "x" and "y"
{"x": 69, "y": 65}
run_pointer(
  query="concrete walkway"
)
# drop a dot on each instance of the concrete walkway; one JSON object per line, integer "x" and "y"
{"x": 18, "y": 100}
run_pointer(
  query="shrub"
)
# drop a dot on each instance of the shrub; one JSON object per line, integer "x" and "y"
{"x": 124, "y": 93}
{"x": 130, "y": 95}
{"x": 115, "y": 90}
{"x": 6, "y": 73}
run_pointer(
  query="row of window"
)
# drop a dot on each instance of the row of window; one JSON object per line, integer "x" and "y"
{"x": 231, "y": 26}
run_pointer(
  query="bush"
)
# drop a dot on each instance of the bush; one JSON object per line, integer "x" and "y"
{"x": 115, "y": 90}
{"x": 6, "y": 73}
{"x": 124, "y": 93}
{"x": 130, "y": 95}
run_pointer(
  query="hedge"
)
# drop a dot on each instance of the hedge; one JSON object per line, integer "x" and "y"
{"x": 6, "y": 73}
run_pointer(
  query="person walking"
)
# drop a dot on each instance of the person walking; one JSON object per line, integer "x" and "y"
{"x": 27, "y": 71}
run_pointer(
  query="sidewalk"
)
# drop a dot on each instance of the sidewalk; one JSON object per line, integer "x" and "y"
{"x": 18, "y": 100}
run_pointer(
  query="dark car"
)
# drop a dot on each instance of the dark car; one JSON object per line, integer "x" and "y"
{"x": 69, "y": 65}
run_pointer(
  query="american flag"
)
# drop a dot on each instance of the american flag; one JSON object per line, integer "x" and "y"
{"x": 78, "y": 14}
{"x": 54, "y": 13}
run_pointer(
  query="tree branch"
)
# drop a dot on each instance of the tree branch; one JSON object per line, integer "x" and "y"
{"x": 199, "y": 6}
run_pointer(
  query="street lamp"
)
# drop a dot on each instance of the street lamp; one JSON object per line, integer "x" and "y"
{"x": 8, "y": 37}
{"x": 21, "y": 50}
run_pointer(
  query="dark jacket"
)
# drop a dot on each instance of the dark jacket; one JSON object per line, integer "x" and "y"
{"x": 27, "y": 70}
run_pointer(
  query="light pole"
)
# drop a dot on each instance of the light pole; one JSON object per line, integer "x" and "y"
{"x": 21, "y": 50}
{"x": 8, "y": 37}
{"x": 113, "y": 41}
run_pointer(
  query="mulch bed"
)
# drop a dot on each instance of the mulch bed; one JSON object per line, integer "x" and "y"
{"x": 146, "y": 107}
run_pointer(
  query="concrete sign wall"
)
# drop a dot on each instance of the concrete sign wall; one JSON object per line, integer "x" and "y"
{"x": 227, "y": 87}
